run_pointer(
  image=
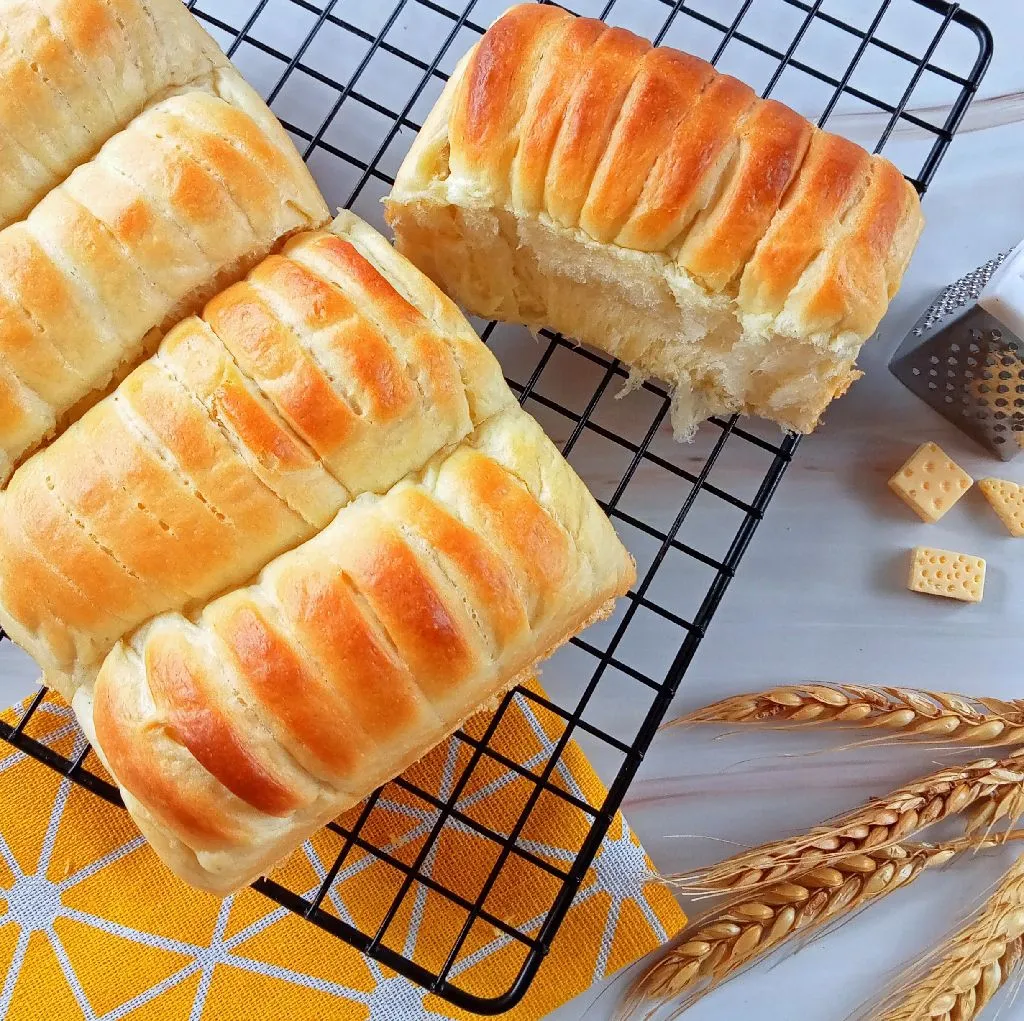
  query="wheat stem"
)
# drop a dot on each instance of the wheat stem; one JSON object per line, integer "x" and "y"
{"x": 917, "y": 712}
{"x": 878, "y": 824}
{"x": 976, "y": 962}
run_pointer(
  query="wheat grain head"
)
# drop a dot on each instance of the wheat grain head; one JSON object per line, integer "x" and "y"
{"x": 914, "y": 712}
{"x": 975, "y": 962}
{"x": 876, "y": 825}
{"x": 751, "y": 926}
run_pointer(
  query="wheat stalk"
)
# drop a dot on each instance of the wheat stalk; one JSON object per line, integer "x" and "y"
{"x": 975, "y": 963}
{"x": 735, "y": 935}
{"x": 937, "y": 715}
{"x": 878, "y": 824}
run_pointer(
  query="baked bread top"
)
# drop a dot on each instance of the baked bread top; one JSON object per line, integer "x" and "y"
{"x": 648, "y": 149}
{"x": 74, "y": 72}
{"x": 186, "y": 198}
{"x": 334, "y": 369}
{"x": 239, "y": 731}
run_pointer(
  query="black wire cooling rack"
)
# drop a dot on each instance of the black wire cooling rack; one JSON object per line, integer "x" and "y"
{"x": 350, "y": 79}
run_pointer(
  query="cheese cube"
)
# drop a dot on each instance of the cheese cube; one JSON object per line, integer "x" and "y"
{"x": 940, "y": 572}
{"x": 1007, "y": 500}
{"x": 930, "y": 482}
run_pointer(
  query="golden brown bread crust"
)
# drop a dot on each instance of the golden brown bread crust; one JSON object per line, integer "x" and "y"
{"x": 573, "y": 176}
{"x": 194, "y": 189}
{"x": 829, "y": 186}
{"x": 74, "y": 72}
{"x": 665, "y": 88}
{"x": 241, "y": 438}
{"x": 289, "y": 688}
{"x": 195, "y": 356}
{"x": 351, "y": 655}
{"x": 180, "y": 678}
{"x": 488, "y": 582}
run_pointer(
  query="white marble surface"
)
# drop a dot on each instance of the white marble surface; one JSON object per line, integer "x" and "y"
{"x": 819, "y": 595}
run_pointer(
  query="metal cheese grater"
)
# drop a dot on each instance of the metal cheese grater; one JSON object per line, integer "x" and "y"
{"x": 968, "y": 365}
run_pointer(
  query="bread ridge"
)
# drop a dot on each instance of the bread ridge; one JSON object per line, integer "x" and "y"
{"x": 127, "y": 264}
{"x": 196, "y": 471}
{"x": 742, "y": 241}
{"x": 183, "y": 861}
{"x": 87, "y": 65}
{"x": 232, "y": 842}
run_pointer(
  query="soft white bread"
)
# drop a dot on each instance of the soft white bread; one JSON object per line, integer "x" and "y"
{"x": 186, "y": 198}
{"x": 74, "y": 72}
{"x": 237, "y": 734}
{"x": 631, "y": 197}
{"x": 334, "y": 369}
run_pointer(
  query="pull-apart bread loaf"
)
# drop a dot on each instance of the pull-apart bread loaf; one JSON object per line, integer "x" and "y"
{"x": 186, "y": 198}
{"x": 334, "y": 369}
{"x": 573, "y": 176}
{"x": 74, "y": 72}
{"x": 236, "y": 733}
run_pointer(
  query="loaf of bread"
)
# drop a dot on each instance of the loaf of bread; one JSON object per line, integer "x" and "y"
{"x": 631, "y": 197}
{"x": 237, "y": 733}
{"x": 334, "y": 369}
{"x": 187, "y": 197}
{"x": 74, "y": 72}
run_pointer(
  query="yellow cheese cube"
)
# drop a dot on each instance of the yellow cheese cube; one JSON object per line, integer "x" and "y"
{"x": 930, "y": 482}
{"x": 940, "y": 572}
{"x": 1007, "y": 500}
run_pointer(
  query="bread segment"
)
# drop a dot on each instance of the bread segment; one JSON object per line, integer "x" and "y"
{"x": 74, "y": 73}
{"x": 571, "y": 176}
{"x": 312, "y": 381}
{"x": 189, "y": 195}
{"x": 354, "y": 653}
{"x": 194, "y": 356}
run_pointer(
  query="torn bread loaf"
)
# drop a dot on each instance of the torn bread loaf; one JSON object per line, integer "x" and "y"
{"x": 334, "y": 369}
{"x": 74, "y": 72}
{"x": 573, "y": 176}
{"x": 237, "y": 733}
{"x": 186, "y": 198}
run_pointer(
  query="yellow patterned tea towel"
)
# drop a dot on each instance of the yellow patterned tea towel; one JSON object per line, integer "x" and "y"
{"x": 93, "y": 927}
